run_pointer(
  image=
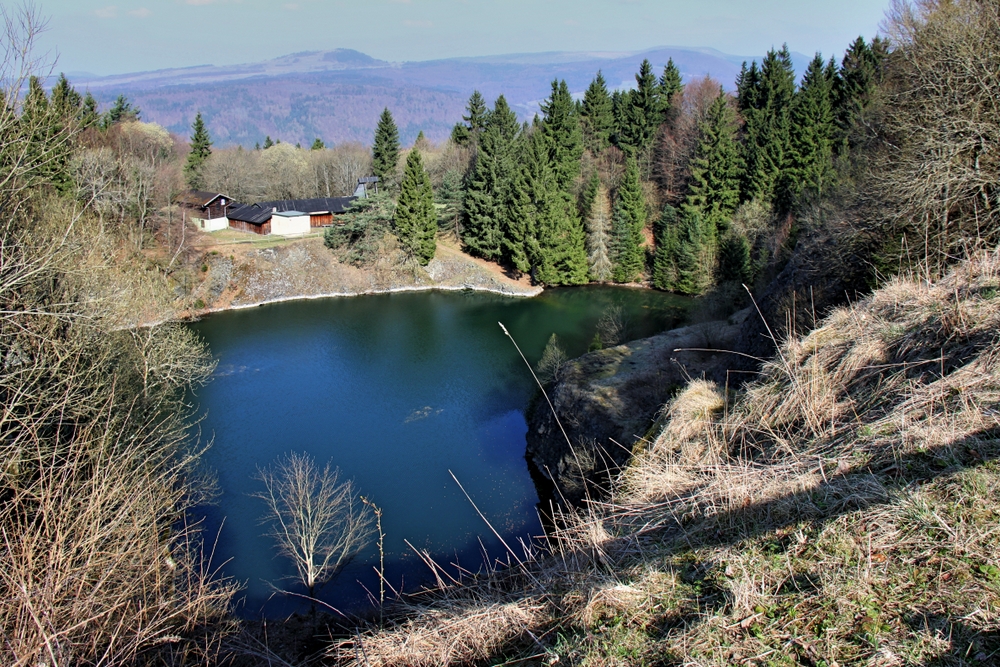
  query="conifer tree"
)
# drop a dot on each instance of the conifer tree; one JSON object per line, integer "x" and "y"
{"x": 717, "y": 167}
{"x": 670, "y": 84}
{"x": 201, "y": 148}
{"x": 121, "y": 111}
{"x": 855, "y": 85}
{"x": 560, "y": 130}
{"x": 88, "y": 112}
{"x": 596, "y": 115}
{"x": 317, "y": 145}
{"x": 693, "y": 258}
{"x": 416, "y": 219}
{"x": 41, "y": 123}
{"x": 65, "y": 100}
{"x": 628, "y": 222}
{"x": 811, "y": 155}
{"x": 734, "y": 258}
{"x": 556, "y": 245}
{"x": 268, "y": 142}
{"x": 766, "y": 101}
{"x": 385, "y": 150}
{"x": 598, "y": 226}
{"x": 460, "y": 135}
{"x": 476, "y": 107}
{"x": 665, "y": 273}
{"x": 488, "y": 194}
{"x": 641, "y": 112}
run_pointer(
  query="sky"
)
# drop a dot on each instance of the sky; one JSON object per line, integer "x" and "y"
{"x": 102, "y": 38}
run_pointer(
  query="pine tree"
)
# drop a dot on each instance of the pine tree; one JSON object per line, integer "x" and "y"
{"x": 385, "y": 150}
{"x": 201, "y": 148}
{"x": 596, "y": 115}
{"x": 766, "y": 101}
{"x": 416, "y": 219}
{"x": 627, "y": 224}
{"x": 811, "y": 154}
{"x": 665, "y": 275}
{"x": 268, "y": 142}
{"x": 560, "y": 130}
{"x": 717, "y": 167}
{"x": 487, "y": 196}
{"x": 317, "y": 145}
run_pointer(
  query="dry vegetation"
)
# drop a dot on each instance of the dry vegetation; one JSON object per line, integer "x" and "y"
{"x": 841, "y": 510}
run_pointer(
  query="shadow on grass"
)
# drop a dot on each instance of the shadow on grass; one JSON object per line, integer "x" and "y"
{"x": 880, "y": 482}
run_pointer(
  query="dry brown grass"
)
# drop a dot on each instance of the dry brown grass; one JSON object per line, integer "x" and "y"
{"x": 843, "y": 509}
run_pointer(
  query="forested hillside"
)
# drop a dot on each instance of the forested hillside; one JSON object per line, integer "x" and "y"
{"x": 839, "y": 507}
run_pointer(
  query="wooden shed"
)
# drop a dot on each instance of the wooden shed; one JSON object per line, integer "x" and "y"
{"x": 208, "y": 210}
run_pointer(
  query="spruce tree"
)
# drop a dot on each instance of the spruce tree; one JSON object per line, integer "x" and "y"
{"x": 665, "y": 260}
{"x": 627, "y": 223}
{"x": 556, "y": 245}
{"x": 201, "y": 148}
{"x": 693, "y": 258}
{"x": 598, "y": 226}
{"x": 717, "y": 167}
{"x": 670, "y": 84}
{"x": 88, "y": 112}
{"x": 268, "y": 142}
{"x": 856, "y": 83}
{"x": 560, "y": 130}
{"x": 811, "y": 163}
{"x": 734, "y": 258}
{"x": 65, "y": 100}
{"x": 766, "y": 100}
{"x": 317, "y": 145}
{"x": 596, "y": 115}
{"x": 385, "y": 150}
{"x": 488, "y": 194}
{"x": 121, "y": 111}
{"x": 641, "y": 112}
{"x": 416, "y": 219}
{"x": 476, "y": 107}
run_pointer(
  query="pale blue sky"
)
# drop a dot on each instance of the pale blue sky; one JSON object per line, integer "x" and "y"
{"x": 115, "y": 36}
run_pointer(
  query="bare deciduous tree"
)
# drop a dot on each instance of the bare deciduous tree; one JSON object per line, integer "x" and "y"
{"x": 316, "y": 520}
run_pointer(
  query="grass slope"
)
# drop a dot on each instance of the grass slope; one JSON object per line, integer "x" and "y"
{"x": 842, "y": 510}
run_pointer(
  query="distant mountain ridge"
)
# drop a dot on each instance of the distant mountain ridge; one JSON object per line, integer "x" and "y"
{"x": 337, "y": 95}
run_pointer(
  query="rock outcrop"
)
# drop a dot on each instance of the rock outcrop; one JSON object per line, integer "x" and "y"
{"x": 608, "y": 399}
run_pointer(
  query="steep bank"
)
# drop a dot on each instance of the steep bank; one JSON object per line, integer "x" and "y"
{"x": 608, "y": 399}
{"x": 841, "y": 509}
{"x": 239, "y": 275}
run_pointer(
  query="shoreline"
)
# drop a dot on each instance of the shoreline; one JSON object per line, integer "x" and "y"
{"x": 372, "y": 292}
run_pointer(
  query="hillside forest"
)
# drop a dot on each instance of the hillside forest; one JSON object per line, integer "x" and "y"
{"x": 822, "y": 187}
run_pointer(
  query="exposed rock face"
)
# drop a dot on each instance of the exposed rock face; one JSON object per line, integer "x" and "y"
{"x": 607, "y": 400}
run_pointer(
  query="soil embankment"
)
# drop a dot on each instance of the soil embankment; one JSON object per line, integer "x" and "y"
{"x": 241, "y": 275}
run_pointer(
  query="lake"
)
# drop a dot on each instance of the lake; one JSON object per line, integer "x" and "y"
{"x": 396, "y": 390}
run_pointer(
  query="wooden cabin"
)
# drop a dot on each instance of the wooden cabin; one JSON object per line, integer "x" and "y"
{"x": 260, "y": 218}
{"x": 207, "y": 210}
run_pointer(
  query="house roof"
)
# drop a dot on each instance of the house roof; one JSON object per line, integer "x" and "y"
{"x": 290, "y": 214}
{"x": 261, "y": 212}
{"x": 198, "y": 197}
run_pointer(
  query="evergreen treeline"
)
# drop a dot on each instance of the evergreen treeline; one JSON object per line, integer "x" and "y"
{"x": 570, "y": 197}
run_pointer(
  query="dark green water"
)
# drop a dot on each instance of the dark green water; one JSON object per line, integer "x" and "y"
{"x": 396, "y": 390}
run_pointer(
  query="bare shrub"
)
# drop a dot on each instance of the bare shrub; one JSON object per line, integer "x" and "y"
{"x": 317, "y": 521}
{"x": 553, "y": 360}
{"x": 613, "y": 327}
